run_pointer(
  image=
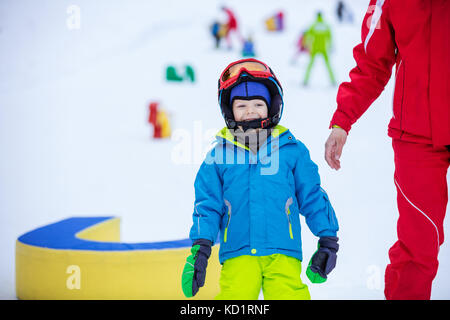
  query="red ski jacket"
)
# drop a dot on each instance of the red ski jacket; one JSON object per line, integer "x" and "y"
{"x": 232, "y": 22}
{"x": 415, "y": 36}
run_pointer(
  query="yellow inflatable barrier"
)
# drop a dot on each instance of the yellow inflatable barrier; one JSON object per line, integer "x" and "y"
{"x": 82, "y": 258}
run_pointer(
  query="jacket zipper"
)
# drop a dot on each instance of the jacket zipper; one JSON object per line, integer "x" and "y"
{"x": 396, "y": 74}
{"x": 403, "y": 95}
{"x": 228, "y": 204}
{"x": 288, "y": 215}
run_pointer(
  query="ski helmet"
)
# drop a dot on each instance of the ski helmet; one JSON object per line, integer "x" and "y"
{"x": 250, "y": 70}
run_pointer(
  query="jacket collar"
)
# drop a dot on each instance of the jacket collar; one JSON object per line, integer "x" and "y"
{"x": 283, "y": 133}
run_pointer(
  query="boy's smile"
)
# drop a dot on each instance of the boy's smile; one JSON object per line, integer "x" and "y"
{"x": 248, "y": 110}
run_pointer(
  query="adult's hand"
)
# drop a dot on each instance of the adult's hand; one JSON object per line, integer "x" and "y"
{"x": 333, "y": 147}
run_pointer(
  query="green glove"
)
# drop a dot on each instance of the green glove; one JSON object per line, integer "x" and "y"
{"x": 194, "y": 271}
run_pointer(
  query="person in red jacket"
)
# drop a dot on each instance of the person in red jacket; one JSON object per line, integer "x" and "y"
{"x": 231, "y": 26}
{"x": 415, "y": 36}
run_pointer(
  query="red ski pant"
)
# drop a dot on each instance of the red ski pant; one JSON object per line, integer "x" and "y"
{"x": 421, "y": 181}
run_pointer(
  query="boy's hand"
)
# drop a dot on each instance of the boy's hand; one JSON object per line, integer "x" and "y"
{"x": 194, "y": 271}
{"x": 323, "y": 260}
{"x": 333, "y": 147}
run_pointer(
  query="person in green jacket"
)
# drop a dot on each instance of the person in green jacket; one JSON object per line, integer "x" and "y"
{"x": 318, "y": 41}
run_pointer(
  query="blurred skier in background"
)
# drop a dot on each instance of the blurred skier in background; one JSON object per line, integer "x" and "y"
{"x": 248, "y": 47}
{"x": 231, "y": 27}
{"x": 415, "y": 36}
{"x": 343, "y": 13}
{"x": 215, "y": 31}
{"x": 300, "y": 47}
{"x": 318, "y": 41}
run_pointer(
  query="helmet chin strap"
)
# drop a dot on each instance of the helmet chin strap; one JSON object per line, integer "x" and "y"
{"x": 254, "y": 124}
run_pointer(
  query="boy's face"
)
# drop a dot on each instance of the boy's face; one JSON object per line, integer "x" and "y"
{"x": 247, "y": 110}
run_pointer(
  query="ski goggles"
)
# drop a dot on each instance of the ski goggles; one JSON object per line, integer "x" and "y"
{"x": 250, "y": 66}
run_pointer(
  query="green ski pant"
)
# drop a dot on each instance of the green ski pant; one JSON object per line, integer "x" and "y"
{"x": 278, "y": 275}
{"x": 311, "y": 62}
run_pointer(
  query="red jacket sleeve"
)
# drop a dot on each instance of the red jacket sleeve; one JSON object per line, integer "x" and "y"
{"x": 374, "y": 57}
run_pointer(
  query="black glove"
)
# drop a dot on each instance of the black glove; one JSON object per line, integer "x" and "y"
{"x": 323, "y": 260}
{"x": 194, "y": 271}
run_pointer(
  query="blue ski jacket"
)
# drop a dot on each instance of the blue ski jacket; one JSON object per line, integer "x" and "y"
{"x": 254, "y": 200}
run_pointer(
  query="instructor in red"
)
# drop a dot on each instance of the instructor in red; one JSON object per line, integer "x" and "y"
{"x": 415, "y": 36}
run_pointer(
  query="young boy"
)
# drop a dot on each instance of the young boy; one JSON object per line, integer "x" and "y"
{"x": 251, "y": 188}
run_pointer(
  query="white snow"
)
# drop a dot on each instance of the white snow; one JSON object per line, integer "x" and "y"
{"x": 74, "y": 137}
